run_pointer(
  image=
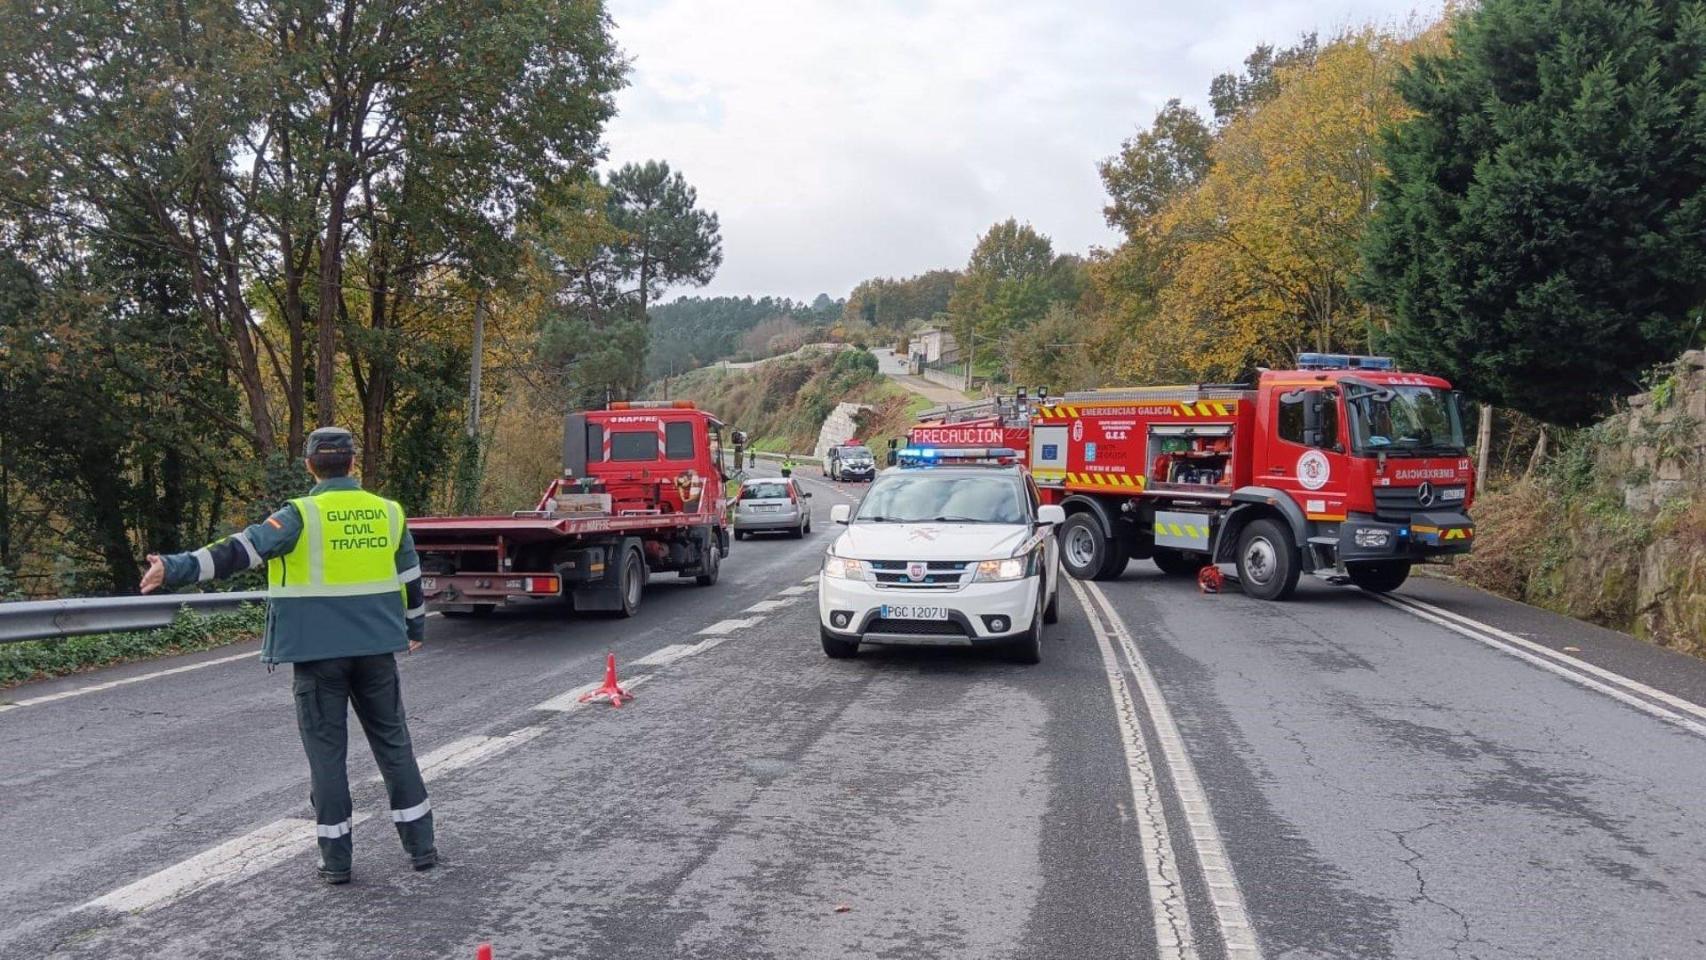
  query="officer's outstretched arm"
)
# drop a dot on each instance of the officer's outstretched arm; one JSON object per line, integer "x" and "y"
{"x": 243, "y": 550}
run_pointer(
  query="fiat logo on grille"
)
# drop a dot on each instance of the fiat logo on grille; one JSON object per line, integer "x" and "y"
{"x": 915, "y": 572}
{"x": 1425, "y": 494}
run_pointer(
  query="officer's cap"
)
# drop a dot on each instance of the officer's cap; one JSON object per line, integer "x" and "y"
{"x": 330, "y": 440}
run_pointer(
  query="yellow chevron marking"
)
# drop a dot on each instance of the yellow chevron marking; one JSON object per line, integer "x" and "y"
{"x": 1185, "y": 409}
{"x": 1203, "y": 408}
{"x": 1221, "y": 409}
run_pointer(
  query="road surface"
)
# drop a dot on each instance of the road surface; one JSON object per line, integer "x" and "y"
{"x": 893, "y": 366}
{"x": 1183, "y": 776}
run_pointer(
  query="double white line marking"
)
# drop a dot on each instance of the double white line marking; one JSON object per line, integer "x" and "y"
{"x": 1175, "y": 939}
{"x": 1667, "y": 707}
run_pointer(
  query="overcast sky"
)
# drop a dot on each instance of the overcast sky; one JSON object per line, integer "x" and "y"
{"x": 845, "y": 139}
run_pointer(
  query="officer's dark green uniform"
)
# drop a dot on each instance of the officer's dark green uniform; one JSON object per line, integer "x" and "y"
{"x": 344, "y": 596}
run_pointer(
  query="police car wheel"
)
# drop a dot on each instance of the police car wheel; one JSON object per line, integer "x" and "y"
{"x": 1027, "y": 648}
{"x": 836, "y": 648}
{"x": 1379, "y": 577}
{"x": 1051, "y": 613}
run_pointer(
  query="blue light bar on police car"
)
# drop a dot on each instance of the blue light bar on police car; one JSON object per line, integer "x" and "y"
{"x": 1343, "y": 361}
{"x": 927, "y": 455}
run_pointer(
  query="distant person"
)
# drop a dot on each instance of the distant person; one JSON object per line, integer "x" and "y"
{"x": 787, "y": 466}
{"x": 344, "y": 596}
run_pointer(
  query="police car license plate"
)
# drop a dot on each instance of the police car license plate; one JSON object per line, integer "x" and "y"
{"x": 911, "y": 611}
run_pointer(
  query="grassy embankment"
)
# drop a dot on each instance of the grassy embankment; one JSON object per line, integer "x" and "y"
{"x": 782, "y": 404}
{"x": 42, "y": 659}
{"x": 1613, "y": 529}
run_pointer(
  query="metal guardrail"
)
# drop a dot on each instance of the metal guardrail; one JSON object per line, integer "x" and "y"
{"x": 47, "y": 619}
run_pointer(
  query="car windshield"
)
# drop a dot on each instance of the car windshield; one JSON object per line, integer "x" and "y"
{"x": 923, "y": 497}
{"x": 764, "y": 491}
{"x": 1405, "y": 420}
{"x": 855, "y": 453}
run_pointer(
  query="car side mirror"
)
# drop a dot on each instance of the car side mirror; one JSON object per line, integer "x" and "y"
{"x": 841, "y": 513}
{"x": 1051, "y": 515}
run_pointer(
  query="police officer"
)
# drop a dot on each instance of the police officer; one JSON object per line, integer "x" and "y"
{"x": 787, "y": 466}
{"x": 344, "y": 596}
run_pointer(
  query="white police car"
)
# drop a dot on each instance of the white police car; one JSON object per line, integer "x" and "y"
{"x": 952, "y": 546}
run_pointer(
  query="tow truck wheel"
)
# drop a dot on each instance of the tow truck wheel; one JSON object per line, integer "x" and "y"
{"x": 836, "y": 648}
{"x": 633, "y": 583}
{"x": 1267, "y": 560}
{"x": 1177, "y": 563}
{"x": 1083, "y": 548}
{"x": 1379, "y": 577}
{"x": 712, "y": 564}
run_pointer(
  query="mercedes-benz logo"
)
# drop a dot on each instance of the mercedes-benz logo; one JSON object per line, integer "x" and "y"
{"x": 1425, "y": 494}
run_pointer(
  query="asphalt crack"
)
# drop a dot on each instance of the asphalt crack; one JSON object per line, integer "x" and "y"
{"x": 1414, "y": 861}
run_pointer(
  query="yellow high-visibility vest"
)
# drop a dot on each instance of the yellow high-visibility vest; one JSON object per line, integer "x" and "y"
{"x": 348, "y": 548}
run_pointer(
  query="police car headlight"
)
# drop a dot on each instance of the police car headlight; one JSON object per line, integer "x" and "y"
{"x": 1013, "y": 568}
{"x": 1372, "y": 537}
{"x": 841, "y": 568}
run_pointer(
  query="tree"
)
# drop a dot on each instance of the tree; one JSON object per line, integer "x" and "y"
{"x": 1541, "y": 239}
{"x": 1260, "y": 257}
{"x": 667, "y": 239}
{"x": 270, "y": 144}
{"x": 1009, "y": 281}
{"x": 893, "y": 304}
{"x": 1232, "y": 94}
{"x": 1155, "y": 165}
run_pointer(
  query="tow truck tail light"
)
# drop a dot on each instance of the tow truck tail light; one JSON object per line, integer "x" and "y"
{"x": 540, "y": 585}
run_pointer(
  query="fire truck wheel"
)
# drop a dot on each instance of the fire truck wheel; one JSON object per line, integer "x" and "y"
{"x": 1379, "y": 577}
{"x": 1177, "y": 563}
{"x": 1083, "y": 546}
{"x": 1267, "y": 560}
{"x": 712, "y": 564}
{"x": 1118, "y": 558}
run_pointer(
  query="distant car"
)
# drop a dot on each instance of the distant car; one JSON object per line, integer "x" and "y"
{"x": 772, "y": 505}
{"x": 943, "y": 553}
{"x": 852, "y": 462}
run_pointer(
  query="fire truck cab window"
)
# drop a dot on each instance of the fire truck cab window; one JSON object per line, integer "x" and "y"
{"x": 1293, "y": 418}
{"x": 632, "y": 446}
{"x": 678, "y": 441}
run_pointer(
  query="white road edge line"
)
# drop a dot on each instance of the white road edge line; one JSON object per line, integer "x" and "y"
{"x": 1228, "y": 900}
{"x": 1687, "y": 706}
{"x": 232, "y": 860}
{"x": 110, "y": 684}
{"x": 1569, "y": 673}
{"x": 471, "y": 750}
{"x": 723, "y": 627}
{"x": 766, "y": 606}
{"x": 798, "y": 590}
{"x": 1173, "y": 937}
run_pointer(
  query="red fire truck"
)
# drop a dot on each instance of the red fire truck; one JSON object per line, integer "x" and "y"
{"x": 997, "y": 422}
{"x": 1345, "y": 468}
{"x": 641, "y": 492}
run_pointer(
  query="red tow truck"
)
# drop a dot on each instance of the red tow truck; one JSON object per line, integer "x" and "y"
{"x": 641, "y": 493}
{"x": 1345, "y": 468}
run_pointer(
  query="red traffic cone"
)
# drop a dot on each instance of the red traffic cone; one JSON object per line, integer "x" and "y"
{"x": 483, "y": 952}
{"x": 611, "y": 690}
{"x": 1210, "y": 579}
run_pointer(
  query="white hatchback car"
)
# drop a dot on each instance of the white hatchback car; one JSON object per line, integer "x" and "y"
{"x": 952, "y": 554}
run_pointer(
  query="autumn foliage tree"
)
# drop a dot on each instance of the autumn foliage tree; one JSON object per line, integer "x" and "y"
{"x": 1259, "y": 258}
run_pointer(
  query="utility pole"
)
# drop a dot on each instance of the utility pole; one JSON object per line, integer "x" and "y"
{"x": 474, "y": 366}
{"x": 1483, "y": 444}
